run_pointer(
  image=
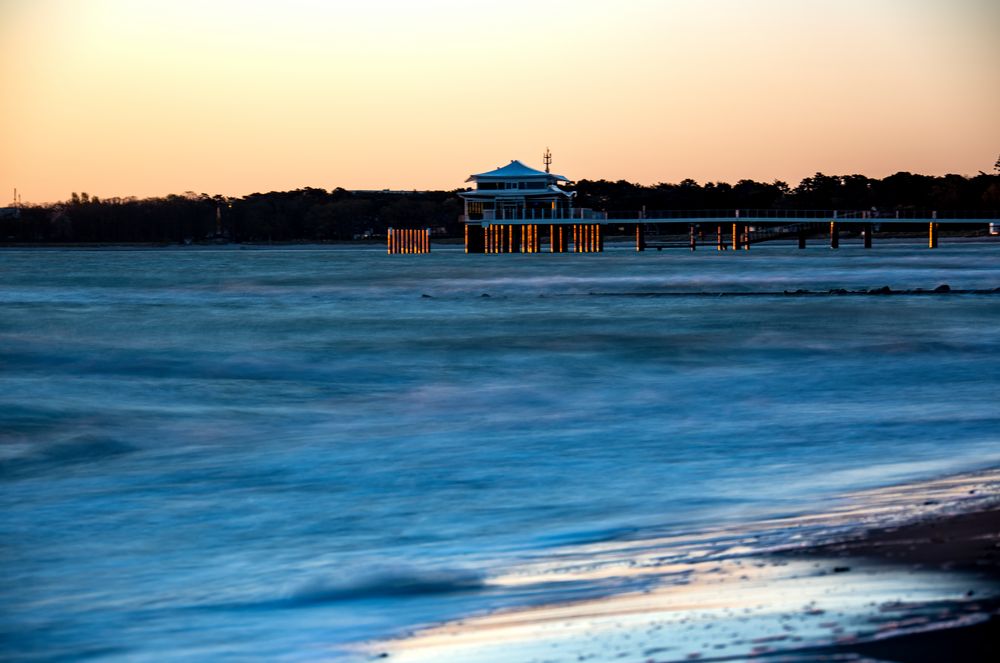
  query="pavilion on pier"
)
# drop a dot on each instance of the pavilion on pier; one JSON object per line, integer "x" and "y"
{"x": 504, "y": 212}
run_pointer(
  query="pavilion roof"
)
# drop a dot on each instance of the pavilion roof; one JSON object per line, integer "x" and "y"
{"x": 515, "y": 170}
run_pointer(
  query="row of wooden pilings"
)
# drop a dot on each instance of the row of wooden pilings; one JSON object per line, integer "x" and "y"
{"x": 589, "y": 238}
{"x": 740, "y": 236}
{"x": 409, "y": 240}
{"x": 525, "y": 238}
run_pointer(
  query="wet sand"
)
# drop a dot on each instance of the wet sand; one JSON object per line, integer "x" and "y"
{"x": 965, "y": 544}
{"x": 908, "y": 574}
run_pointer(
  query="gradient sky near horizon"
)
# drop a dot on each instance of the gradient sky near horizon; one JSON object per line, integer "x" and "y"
{"x": 149, "y": 97}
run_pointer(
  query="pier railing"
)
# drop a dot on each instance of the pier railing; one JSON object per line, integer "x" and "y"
{"x": 536, "y": 215}
{"x": 780, "y": 215}
{"x": 580, "y": 214}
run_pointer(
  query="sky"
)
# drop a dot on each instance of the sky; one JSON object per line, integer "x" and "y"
{"x": 151, "y": 97}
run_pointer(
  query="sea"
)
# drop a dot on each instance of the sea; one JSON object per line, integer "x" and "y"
{"x": 279, "y": 453}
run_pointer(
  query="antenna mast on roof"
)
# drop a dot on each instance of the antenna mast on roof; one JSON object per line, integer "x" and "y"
{"x": 547, "y": 158}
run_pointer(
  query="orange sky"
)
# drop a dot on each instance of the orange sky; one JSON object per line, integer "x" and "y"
{"x": 134, "y": 97}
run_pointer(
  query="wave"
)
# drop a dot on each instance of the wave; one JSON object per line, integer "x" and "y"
{"x": 382, "y": 584}
{"x": 76, "y": 451}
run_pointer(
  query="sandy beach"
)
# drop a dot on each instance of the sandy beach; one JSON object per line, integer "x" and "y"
{"x": 908, "y": 573}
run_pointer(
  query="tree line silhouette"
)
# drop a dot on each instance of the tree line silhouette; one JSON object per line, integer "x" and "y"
{"x": 317, "y": 215}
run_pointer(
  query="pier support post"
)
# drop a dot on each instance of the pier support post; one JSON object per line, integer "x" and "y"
{"x": 640, "y": 238}
{"x": 802, "y": 238}
{"x": 720, "y": 243}
{"x": 474, "y": 239}
{"x": 552, "y": 238}
{"x": 600, "y": 238}
{"x": 867, "y": 232}
{"x": 737, "y": 236}
{"x": 834, "y": 235}
{"x": 692, "y": 241}
{"x": 932, "y": 235}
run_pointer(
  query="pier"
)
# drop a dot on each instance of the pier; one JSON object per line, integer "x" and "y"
{"x": 519, "y": 209}
{"x": 744, "y": 228}
{"x": 576, "y": 230}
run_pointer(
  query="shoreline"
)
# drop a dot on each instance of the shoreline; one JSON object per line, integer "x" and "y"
{"x": 906, "y": 573}
{"x": 847, "y": 239}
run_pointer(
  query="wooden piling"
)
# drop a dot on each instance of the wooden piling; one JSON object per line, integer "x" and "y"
{"x": 932, "y": 235}
{"x": 640, "y": 237}
{"x": 691, "y": 238}
{"x": 834, "y": 235}
{"x": 475, "y": 239}
{"x": 737, "y": 236}
{"x": 867, "y": 232}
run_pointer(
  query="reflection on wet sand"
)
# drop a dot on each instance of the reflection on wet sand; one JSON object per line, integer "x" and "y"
{"x": 803, "y": 588}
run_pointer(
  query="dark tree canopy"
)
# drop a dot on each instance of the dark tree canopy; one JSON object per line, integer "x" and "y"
{"x": 317, "y": 215}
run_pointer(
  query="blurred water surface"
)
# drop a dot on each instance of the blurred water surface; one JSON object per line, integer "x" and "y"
{"x": 271, "y": 453}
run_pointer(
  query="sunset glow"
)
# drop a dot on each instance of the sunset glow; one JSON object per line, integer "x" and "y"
{"x": 121, "y": 98}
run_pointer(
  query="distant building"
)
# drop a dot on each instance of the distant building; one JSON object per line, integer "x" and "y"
{"x": 517, "y": 192}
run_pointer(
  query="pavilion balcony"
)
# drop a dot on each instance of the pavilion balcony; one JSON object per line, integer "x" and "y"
{"x": 571, "y": 215}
